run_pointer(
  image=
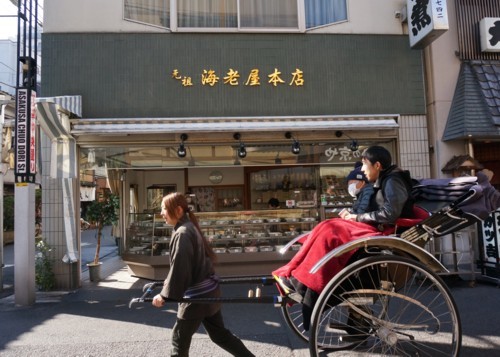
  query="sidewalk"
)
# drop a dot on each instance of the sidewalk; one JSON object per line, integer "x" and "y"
{"x": 96, "y": 321}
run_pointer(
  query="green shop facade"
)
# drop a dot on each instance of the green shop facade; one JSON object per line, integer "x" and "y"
{"x": 232, "y": 120}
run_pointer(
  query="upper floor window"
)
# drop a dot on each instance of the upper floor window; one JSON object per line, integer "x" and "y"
{"x": 324, "y": 12}
{"x": 237, "y": 15}
{"x": 153, "y": 12}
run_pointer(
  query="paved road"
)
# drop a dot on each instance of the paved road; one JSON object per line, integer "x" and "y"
{"x": 96, "y": 321}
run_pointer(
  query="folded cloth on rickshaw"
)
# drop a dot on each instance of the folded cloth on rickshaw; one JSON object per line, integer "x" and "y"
{"x": 443, "y": 190}
{"x": 484, "y": 199}
{"x": 434, "y": 194}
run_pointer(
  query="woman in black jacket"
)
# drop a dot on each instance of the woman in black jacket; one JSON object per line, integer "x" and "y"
{"x": 192, "y": 274}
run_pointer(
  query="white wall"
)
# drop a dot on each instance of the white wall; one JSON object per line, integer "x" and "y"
{"x": 88, "y": 16}
{"x": 230, "y": 176}
{"x": 442, "y": 71}
{"x": 370, "y": 17}
{"x": 365, "y": 16}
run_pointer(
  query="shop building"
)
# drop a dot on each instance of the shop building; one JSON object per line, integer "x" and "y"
{"x": 463, "y": 105}
{"x": 233, "y": 113}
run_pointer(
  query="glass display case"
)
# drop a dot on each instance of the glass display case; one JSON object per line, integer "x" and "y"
{"x": 245, "y": 242}
{"x": 148, "y": 234}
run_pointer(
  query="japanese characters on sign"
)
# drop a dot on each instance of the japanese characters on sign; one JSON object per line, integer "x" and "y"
{"x": 341, "y": 154}
{"x": 490, "y": 235}
{"x": 489, "y": 28}
{"x": 427, "y": 20}
{"x": 232, "y": 77}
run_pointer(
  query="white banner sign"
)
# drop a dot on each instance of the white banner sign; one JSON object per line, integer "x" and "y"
{"x": 490, "y": 34}
{"x": 87, "y": 194}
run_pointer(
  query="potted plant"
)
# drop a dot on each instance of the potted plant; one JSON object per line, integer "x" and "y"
{"x": 102, "y": 212}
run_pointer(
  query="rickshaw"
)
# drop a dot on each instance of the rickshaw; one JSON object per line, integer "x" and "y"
{"x": 389, "y": 299}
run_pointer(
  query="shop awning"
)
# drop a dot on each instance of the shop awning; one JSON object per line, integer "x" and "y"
{"x": 126, "y": 126}
{"x": 53, "y": 114}
{"x": 475, "y": 109}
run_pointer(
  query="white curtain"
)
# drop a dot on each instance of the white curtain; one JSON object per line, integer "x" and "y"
{"x": 115, "y": 185}
{"x": 268, "y": 14}
{"x": 207, "y": 13}
{"x": 155, "y": 12}
{"x": 323, "y": 12}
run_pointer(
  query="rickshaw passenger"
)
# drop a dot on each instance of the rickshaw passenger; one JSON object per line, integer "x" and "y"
{"x": 359, "y": 188}
{"x": 392, "y": 199}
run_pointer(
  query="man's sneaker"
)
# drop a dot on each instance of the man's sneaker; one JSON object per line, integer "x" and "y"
{"x": 285, "y": 284}
{"x": 287, "y": 289}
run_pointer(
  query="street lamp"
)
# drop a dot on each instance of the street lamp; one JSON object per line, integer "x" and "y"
{"x": 3, "y": 103}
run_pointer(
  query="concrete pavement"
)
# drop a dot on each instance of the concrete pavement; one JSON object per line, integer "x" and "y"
{"x": 96, "y": 321}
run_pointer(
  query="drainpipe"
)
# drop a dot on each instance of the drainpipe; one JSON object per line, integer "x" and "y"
{"x": 470, "y": 152}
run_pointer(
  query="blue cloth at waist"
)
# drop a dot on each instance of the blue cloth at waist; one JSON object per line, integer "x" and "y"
{"x": 209, "y": 284}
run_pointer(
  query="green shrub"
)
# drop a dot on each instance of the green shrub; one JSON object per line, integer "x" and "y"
{"x": 8, "y": 213}
{"x": 45, "y": 278}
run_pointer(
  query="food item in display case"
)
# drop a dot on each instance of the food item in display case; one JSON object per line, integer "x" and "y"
{"x": 251, "y": 249}
{"x": 235, "y": 250}
{"x": 219, "y": 250}
{"x": 266, "y": 248}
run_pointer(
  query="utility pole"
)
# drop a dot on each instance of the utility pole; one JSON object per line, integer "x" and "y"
{"x": 25, "y": 154}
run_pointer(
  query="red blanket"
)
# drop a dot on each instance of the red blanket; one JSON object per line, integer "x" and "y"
{"x": 325, "y": 237}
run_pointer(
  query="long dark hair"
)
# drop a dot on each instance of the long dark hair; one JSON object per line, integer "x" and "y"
{"x": 177, "y": 199}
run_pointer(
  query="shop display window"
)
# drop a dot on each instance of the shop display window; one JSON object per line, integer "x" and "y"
{"x": 155, "y": 194}
{"x": 293, "y": 187}
{"x": 219, "y": 198}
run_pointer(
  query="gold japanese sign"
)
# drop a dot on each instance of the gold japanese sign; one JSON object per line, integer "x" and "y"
{"x": 209, "y": 77}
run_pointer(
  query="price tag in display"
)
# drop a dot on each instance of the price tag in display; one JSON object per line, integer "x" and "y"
{"x": 290, "y": 203}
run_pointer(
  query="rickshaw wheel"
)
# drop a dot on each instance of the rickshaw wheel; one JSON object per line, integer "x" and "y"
{"x": 293, "y": 317}
{"x": 386, "y": 305}
{"x": 292, "y": 313}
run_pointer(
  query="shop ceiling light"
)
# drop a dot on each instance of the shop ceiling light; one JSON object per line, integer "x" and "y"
{"x": 242, "y": 151}
{"x": 295, "y": 144}
{"x": 181, "y": 151}
{"x": 354, "y": 146}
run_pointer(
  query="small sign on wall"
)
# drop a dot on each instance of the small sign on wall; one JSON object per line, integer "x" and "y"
{"x": 489, "y": 28}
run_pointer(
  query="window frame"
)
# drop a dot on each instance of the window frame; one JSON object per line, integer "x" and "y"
{"x": 174, "y": 28}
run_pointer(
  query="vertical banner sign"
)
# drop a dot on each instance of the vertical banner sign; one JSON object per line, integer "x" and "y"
{"x": 25, "y": 158}
{"x": 490, "y": 234}
{"x": 32, "y": 156}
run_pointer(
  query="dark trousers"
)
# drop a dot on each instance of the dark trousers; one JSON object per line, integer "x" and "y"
{"x": 184, "y": 330}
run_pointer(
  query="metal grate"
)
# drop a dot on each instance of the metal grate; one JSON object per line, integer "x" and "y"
{"x": 469, "y": 14}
